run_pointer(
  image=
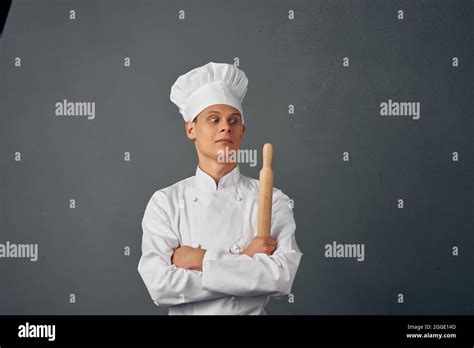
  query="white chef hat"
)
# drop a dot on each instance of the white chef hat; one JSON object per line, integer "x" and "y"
{"x": 210, "y": 84}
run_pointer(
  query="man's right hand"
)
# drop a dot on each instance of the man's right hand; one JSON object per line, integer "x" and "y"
{"x": 265, "y": 245}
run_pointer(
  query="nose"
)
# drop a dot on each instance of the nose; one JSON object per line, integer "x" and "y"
{"x": 225, "y": 127}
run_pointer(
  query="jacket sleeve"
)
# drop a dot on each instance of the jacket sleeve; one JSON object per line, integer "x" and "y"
{"x": 242, "y": 275}
{"x": 167, "y": 284}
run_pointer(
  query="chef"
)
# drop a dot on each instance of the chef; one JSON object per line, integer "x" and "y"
{"x": 200, "y": 252}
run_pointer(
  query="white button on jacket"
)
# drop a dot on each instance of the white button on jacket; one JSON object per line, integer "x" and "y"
{"x": 223, "y": 220}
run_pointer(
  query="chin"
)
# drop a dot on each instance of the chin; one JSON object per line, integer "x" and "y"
{"x": 224, "y": 145}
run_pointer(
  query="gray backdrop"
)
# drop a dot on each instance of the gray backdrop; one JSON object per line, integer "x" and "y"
{"x": 408, "y": 251}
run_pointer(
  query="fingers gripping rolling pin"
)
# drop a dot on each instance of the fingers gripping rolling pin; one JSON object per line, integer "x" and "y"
{"x": 265, "y": 193}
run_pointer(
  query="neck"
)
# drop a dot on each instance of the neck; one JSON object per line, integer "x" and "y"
{"x": 215, "y": 169}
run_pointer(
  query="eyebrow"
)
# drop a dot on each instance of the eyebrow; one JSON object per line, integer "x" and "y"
{"x": 218, "y": 112}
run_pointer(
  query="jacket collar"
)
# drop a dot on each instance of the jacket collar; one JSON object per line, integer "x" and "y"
{"x": 205, "y": 182}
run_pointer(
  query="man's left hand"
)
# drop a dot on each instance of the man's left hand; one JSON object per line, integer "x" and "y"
{"x": 188, "y": 258}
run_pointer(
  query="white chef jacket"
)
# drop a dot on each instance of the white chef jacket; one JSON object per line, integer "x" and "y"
{"x": 223, "y": 220}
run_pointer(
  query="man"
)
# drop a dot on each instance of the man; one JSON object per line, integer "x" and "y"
{"x": 200, "y": 253}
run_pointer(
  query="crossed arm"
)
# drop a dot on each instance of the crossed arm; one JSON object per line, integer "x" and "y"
{"x": 187, "y": 257}
{"x": 176, "y": 274}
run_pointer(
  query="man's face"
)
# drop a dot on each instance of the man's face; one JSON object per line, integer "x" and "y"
{"x": 215, "y": 128}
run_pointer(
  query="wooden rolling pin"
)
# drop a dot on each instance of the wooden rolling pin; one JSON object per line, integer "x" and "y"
{"x": 265, "y": 193}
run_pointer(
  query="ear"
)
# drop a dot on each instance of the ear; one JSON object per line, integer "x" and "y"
{"x": 189, "y": 129}
{"x": 243, "y": 128}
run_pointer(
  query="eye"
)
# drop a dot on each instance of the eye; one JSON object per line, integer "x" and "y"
{"x": 234, "y": 120}
{"x": 214, "y": 119}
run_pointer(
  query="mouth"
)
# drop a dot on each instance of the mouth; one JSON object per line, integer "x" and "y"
{"x": 228, "y": 141}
